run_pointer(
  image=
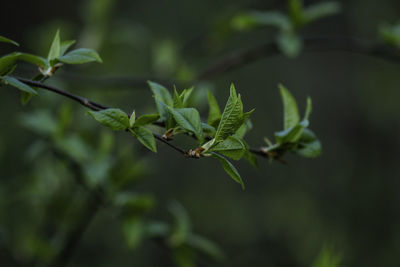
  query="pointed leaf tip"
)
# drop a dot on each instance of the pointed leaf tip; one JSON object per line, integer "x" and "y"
{"x": 290, "y": 111}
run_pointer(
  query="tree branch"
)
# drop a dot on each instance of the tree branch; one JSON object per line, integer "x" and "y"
{"x": 82, "y": 100}
{"x": 96, "y": 107}
{"x": 311, "y": 44}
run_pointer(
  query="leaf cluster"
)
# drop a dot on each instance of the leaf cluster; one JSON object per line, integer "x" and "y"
{"x": 296, "y": 136}
{"x": 297, "y": 17}
{"x": 57, "y": 56}
{"x": 220, "y": 135}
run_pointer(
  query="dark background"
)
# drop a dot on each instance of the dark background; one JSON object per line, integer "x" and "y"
{"x": 348, "y": 198}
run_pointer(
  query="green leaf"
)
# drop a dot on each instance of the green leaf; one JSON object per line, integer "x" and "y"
{"x": 309, "y": 145}
{"x": 26, "y": 97}
{"x": 134, "y": 204}
{"x": 65, "y": 45}
{"x": 188, "y": 119}
{"x": 185, "y": 96}
{"x": 182, "y": 100}
{"x": 184, "y": 256}
{"x": 229, "y": 169}
{"x": 208, "y": 129}
{"x": 162, "y": 98}
{"x": 132, "y": 119}
{"x": 244, "y": 129}
{"x": 182, "y": 225}
{"x": 308, "y": 109}
{"x": 41, "y": 122}
{"x": 214, "y": 113}
{"x": 80, "y": 56}
{"x": 232, "y": 148}
{"x": 134, "y": 230}
{"x": 390, "y": 34}
{"x": 145, "y": 136}
{"x": 255, "y": 19}
{"x": 231, "y": 118}
{"x": 155, "y": 229}
{"x": 113, "y": 118}
{"x": 17, "y": 84}
{"x": 146, "y": 119}
{"x": 206, "y": 246}
{"x": 289, "y": 43}
{"x": 6, "y": 40}
{"x": 177, "y": 100}
{"x": 8, "y": 63}
{"x": 33, "y": 59}
{"x": 328, "y": 258}
{"x": 292, "y": 134}
{"x": 74, "y": 146}
{"x": 296, "y": 13}
{"x": 321, "y": 10}
{"x": 161, "y": 93}
{"x": 55, "y": 48}
{"x": 291, "y": 115}
{"x": 250, "y": 158}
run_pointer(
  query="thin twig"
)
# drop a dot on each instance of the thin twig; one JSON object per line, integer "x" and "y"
{"x": 97, "y": 106}
{"x": 82, "y": 100}
{"x": 311, "y": 44}
{"x": 89, "y": 104}
{"x": 161, "y": 139}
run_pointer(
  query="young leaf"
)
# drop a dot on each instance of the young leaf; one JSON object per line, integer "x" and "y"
{"x": 244, "y": 129}
{"x": 65, "y": 45}
{"x": 146, "y": 119}
{"x": 33, "y": 59}
{"x": 232, "y": 148}
{"x": 390, "y": 34}
{"x": 134, "y": 229}
{"x": 256, "y": 18}
{"x": 185, "y": 96}
{"x": 250, "y": 158}
{"x": 231, "y": 118}
{"x": 289, "y": 43}
{"x": 321, "y": 10}
{"x": 80, "y": 56}
{"x": 161, "y": 93}
{"x": 292, "y": 134}
{"x": 229, "y": 169}
{"x": 208, "y": 129}
{"x": 162, "y": 98}
{"x": 328, "y": 258}
{"x": 145, "y": 137}
{"x": 7, "y": 63}
{"x": 206, "y": 246}
{"x": 182, "y": 224}
{"x": 132, "y": 119}
{"x": 25, "y": 98}
{"x": 177, "y": 100}
{"x": 17, "y": 84}
{"x": 55, "y": 48}
{"x": 113, "y": 118}
{"x": 290, "y": 111}
{"x": 308, "y": 109}
{"x": 309, "y": 145}
{"x": 6, "y": 40}
{"x": 188, "y": 119}
{"x": 296, "y": 13}
{"x": 214, "y": 114}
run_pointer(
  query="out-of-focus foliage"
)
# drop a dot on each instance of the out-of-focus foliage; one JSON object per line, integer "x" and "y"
{"x": 288, "y": 25}
{"x": 348, "y": 197}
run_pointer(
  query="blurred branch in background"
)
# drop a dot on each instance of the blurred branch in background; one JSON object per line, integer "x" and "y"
{"x": 311, "y": 44}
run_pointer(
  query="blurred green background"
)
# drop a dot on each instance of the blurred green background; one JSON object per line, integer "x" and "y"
{"x": 347, "y": 199}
